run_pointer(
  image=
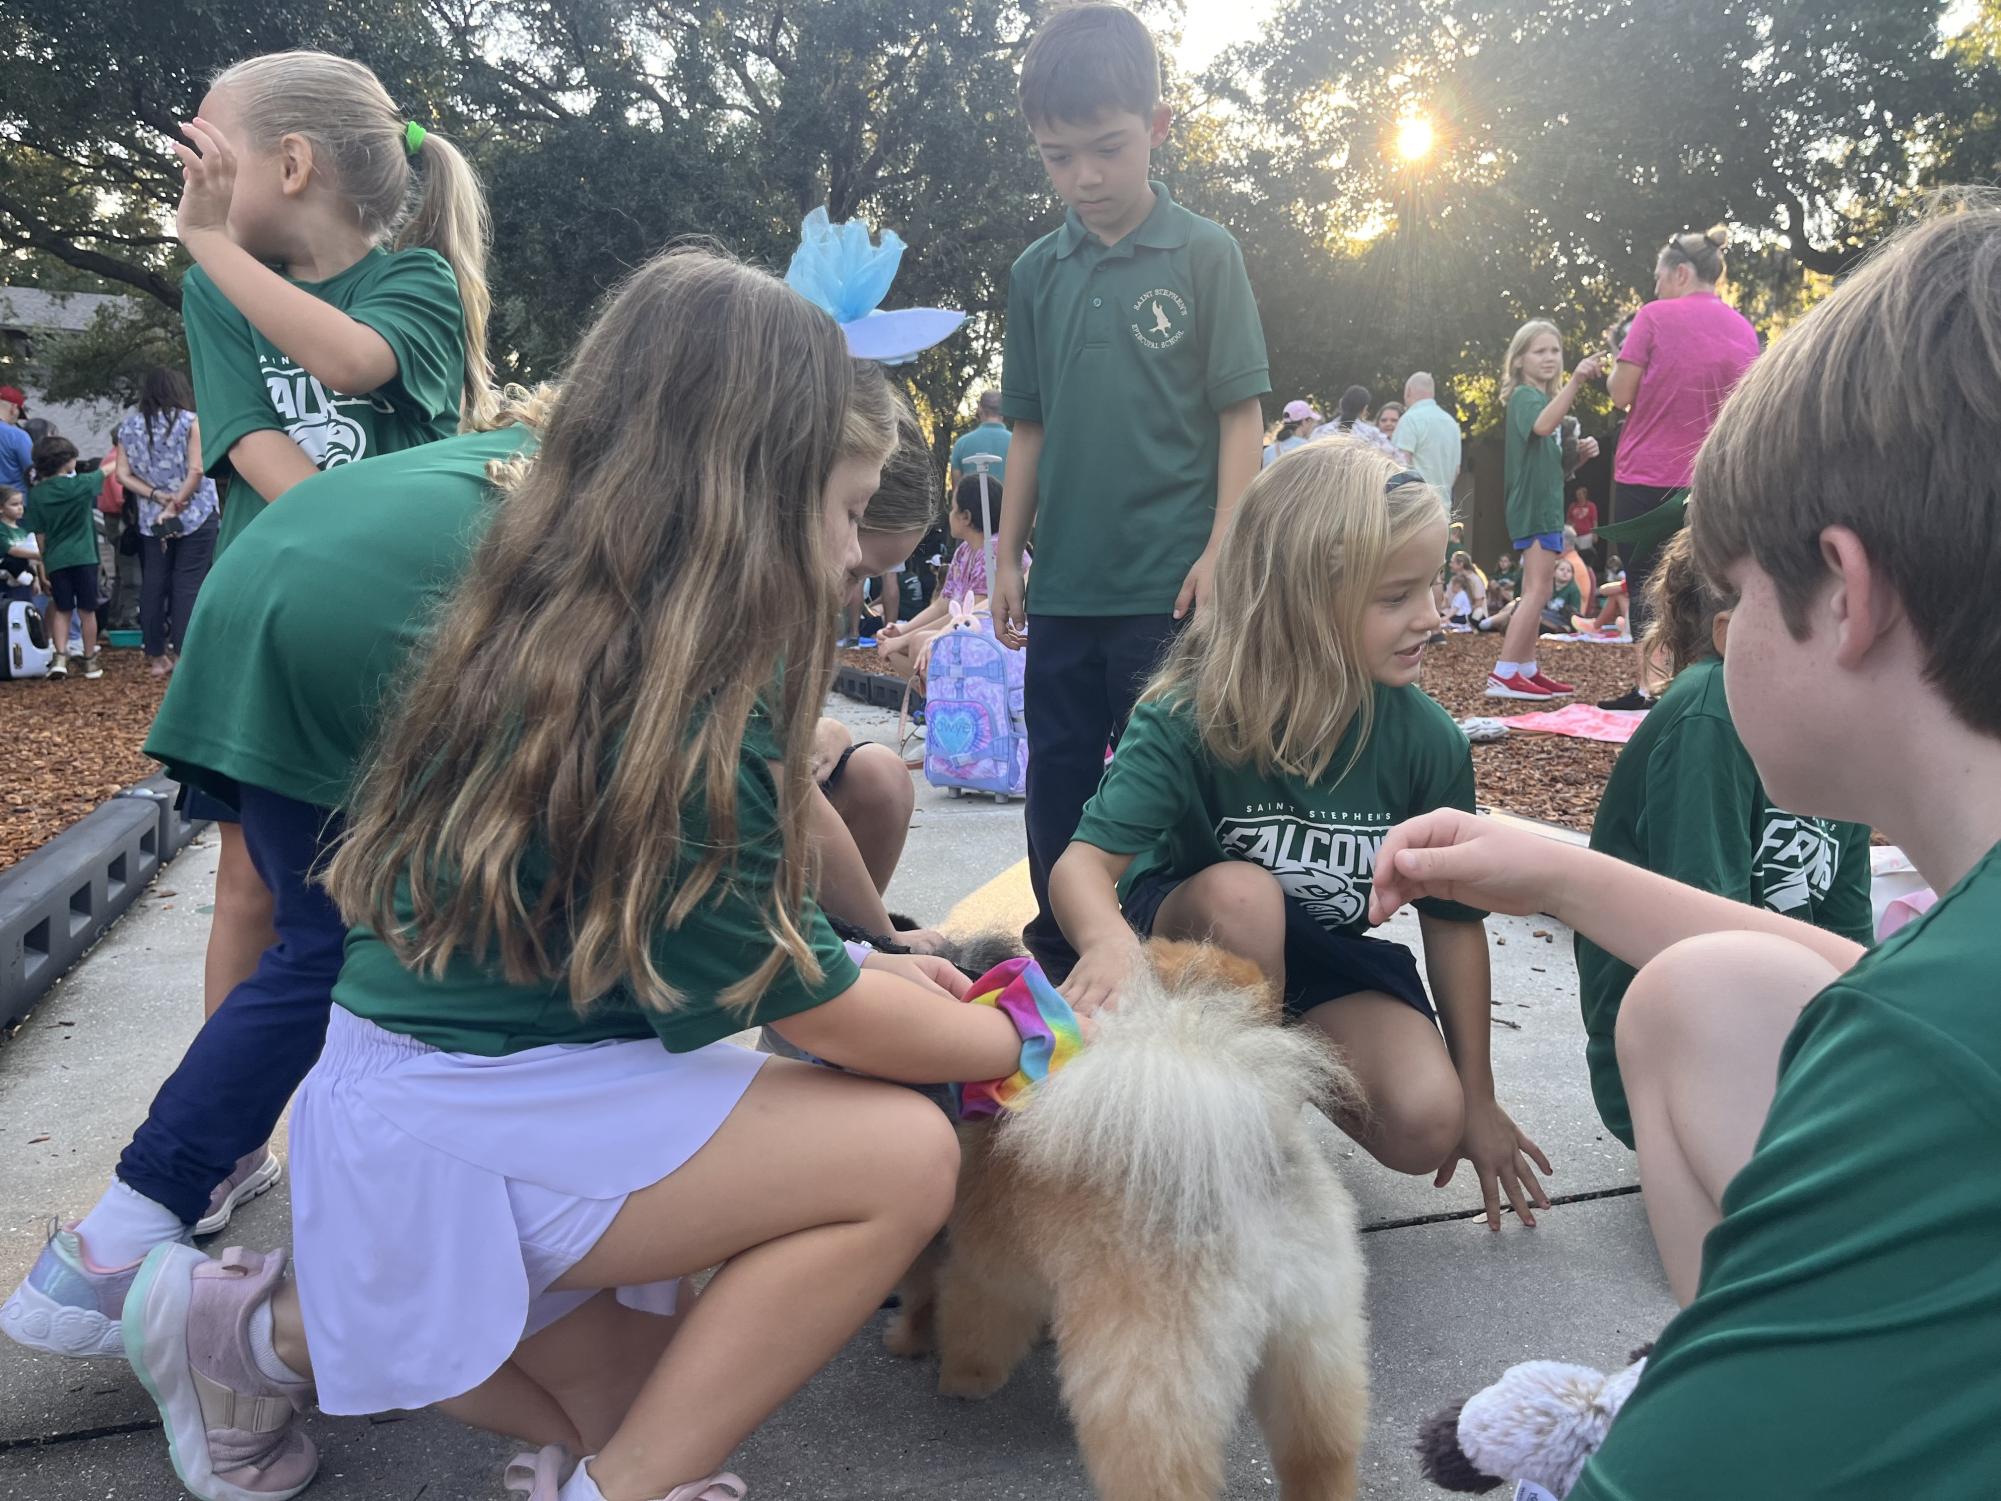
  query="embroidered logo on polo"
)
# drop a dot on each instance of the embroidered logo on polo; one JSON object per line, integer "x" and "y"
{"x": 313, "y": 415}
{"x": 1325, "y": 866}
{"x": 1161, "y": 318}
{"x": 1795, "y": 861}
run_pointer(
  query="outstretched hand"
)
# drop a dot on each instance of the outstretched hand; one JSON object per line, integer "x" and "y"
{"x": 1458, "y": 857}
{"x": 208, "y": 178}
{"x": 1501, "y": 1154}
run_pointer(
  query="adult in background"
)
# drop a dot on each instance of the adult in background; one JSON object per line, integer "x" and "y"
{"x": 1685, "y": 351}
{"x": 991, "y": 436}
{"x": 160, "y": 464}
{"x": 1297, "y": 422}
{"x": 1429, "y": 434}
{"x": 17, "y": 449}
{"x": 1352, "y": 421}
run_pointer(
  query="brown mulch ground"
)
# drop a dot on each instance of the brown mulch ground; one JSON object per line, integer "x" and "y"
{"x": 66, "y": 745}
{"x": 1550, "y": 777}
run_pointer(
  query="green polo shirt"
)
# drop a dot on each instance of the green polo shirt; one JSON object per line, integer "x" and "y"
{"x": 1170, "y": 803}
{"x": 1685, "y": 801}
{"x": 244, "y": 383}
{"x": 302, "y": 626}
{"x": 1841, "y": 1342}
{"x": 1125, "y": 354}
{"x": 63, "y": 510}
{"x": 1532, "y": 469}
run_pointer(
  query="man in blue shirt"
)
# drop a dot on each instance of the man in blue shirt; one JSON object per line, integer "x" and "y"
{"x": 1429, "y": 434}
{"x": 16, "y": 447}
{"x": 991, "y": 436}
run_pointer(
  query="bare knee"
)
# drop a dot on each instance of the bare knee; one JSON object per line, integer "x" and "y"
{"x": 917, "y": 1174}
{"x": 1235, "y": 903}
{"x": 1713, "y": 990}
{"x": 877, "y": 785}
{"x": 1417, "y": 1130}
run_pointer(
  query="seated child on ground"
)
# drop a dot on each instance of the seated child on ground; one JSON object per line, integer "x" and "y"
{"x": 906, "y": 646}
{"x": 1684, "y": 801}
{"x": 1280, "y": 740}
{"x": 1558, "y": 616}
{"x": 1815, "y": 1123}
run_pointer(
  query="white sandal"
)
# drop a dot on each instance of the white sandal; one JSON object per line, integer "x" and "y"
{"x": 548, "y": 1475}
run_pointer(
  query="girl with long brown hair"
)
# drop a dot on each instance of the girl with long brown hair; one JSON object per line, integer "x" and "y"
{"x": 578, "y": 861}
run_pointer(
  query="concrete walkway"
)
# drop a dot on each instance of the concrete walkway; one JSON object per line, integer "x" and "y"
{"x": 1451, "y": 1304}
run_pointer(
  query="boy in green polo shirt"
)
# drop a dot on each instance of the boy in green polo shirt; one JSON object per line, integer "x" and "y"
{"x": 62, "y": 512}
{"x": 1817, "y": 1126}
{"x": 1132, "y": 369}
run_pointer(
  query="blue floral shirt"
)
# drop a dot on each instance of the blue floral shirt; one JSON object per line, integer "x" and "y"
{"x": 158, "y": 454}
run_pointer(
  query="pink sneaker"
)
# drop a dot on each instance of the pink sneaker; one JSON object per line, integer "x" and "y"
{"x": 252, "y": 1174}
{"x": 539, "y": 1477}
{"x": 232, "y": 1431}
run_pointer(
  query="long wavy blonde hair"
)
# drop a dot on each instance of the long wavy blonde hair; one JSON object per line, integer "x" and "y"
{"x": 592, "y": 677}
{"x": 1511, "y": 366}
{"x": 1275, "y": 675}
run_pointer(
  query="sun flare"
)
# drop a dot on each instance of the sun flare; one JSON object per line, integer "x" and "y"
{"x": 1414, "y": 138}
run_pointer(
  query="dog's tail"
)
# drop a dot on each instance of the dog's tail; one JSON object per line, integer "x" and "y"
{"x": 1183, "y": 1109}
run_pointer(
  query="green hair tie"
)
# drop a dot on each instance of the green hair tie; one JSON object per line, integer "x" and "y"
{"x": 413, "y": 137}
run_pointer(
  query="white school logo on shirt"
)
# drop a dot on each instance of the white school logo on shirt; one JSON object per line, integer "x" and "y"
{"x": 1160, "y": 318}
{"x": 1326, "y": 867}
{"x": 1795, "y": 861}
{"x": 313, "y": 416}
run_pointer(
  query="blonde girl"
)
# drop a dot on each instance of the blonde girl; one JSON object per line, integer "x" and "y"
{"x": 336, "y": 310}
{"x": 1535, "y": 404}
{"x": 579, "y": 860}
{"x": 1276, "y": 747}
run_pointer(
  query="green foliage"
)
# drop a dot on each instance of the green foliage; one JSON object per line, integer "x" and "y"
{"x": 112, "y": 356}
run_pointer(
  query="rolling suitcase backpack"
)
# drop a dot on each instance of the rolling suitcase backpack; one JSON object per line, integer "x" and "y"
{"x": 28, "y": 653}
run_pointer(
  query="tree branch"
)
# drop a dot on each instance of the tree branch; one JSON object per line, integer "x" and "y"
{"x": 33, "y": 234}
{"x": 1836, "y": 261}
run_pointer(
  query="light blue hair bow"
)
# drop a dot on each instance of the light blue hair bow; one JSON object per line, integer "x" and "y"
{"x": 841, "y": 268}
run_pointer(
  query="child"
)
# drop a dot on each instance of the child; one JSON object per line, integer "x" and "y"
{"x": 1132, "y": 369}
{"x": 1613, "y": 614}
{"x": 587, "y": 1013}
{"x": 62, "y": 512}
{"x": 1276, "y": 747}
{"x": 1469, "y": 591}
{"x": 336, "y": 310}
{"x": 1535, "y": 407}
{"x": 1296, "y": 425}
{"x": 908, "y": 645}
{"x": 20, "y": 553}
{"x": 1814, "y": 1123}
{"x": 1684, "y": 801}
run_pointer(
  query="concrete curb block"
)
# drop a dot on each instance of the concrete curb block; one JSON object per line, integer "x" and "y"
{"x": 876, "y": 688}
{"x": 60, "y": 900}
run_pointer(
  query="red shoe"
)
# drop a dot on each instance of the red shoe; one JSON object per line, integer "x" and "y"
{"x": 1550, "y": 686}
{"x": 1515, "y": 685}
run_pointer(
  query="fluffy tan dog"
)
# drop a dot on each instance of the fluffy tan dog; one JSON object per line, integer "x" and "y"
{"x": 1163, "y": 1207}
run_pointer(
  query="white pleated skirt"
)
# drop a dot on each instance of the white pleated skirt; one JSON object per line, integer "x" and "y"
{"x": 437, "y": 1196}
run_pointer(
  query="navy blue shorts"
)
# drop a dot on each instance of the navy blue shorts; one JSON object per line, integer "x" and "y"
{"x": 75, "y": 587}
{"x": 1320, "y": 965}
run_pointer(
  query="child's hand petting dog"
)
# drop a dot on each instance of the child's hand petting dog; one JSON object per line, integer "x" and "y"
{"x": 927, "y": 970}
{"x": 1101, "y": 974}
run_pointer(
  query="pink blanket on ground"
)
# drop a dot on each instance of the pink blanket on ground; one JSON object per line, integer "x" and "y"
{"x": 1581, "y": 722}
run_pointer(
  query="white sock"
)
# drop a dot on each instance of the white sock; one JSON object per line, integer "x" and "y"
{"x": 1506, "y": 669}
{"x": 124, "y": 1226}
{"x": 580, "y": 1486}
{"x": 264, "y": 1351}
{"x": 1529, "y": 669}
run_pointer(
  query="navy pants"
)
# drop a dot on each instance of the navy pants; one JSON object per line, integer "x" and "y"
{"x": 224, "y": 1099}
{"x": 1084, "y": 673}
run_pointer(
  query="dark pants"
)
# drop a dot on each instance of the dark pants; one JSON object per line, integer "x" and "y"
{"x": 1084, "y": 673}
{"x": 171, "y": 570}
{"x": 1629, "y": 501}
{"x": 224, "y": 1099}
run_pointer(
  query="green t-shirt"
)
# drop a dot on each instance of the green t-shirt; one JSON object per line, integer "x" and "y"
{"x": 1684, "y": 801}
{"x": 244, "y": 383}
{"x": 1566, "y": 601}
{"x": 988, "y": 437}
{"x": 1533, "y": 469}
{"x": 474, "y": 1009}
{"x": 12, "y": 536}
{"x": 1841, "y": 1342}
{"x": 64, "y": 510}
{"x": 303, "y": 625}
{"x": 1166, "y": 800}
{"x": 1126, "y": 354}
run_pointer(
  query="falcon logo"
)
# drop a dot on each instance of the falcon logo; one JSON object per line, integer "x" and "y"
{"x": 313, "y": 416}
{"x": 1327, "y": 868}
{"x": 1795, "y": 862}
{"x": 1160, "y": 318}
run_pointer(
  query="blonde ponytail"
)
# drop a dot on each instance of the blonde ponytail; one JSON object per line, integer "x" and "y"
{"x": 451, "y": 218}
{"x": 361, "y": 139}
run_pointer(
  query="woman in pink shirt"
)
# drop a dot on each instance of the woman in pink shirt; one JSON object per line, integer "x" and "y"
{"x": 1686, "y": 350}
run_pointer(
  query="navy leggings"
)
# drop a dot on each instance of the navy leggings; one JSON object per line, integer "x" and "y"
{"x": 224, "y": 1099}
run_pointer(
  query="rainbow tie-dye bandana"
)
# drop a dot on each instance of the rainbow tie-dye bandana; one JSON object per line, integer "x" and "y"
{"x": 1050, "y": 1036}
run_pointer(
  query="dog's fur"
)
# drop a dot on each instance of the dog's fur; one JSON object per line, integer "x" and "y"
{"x": 1163, "y": 1206}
